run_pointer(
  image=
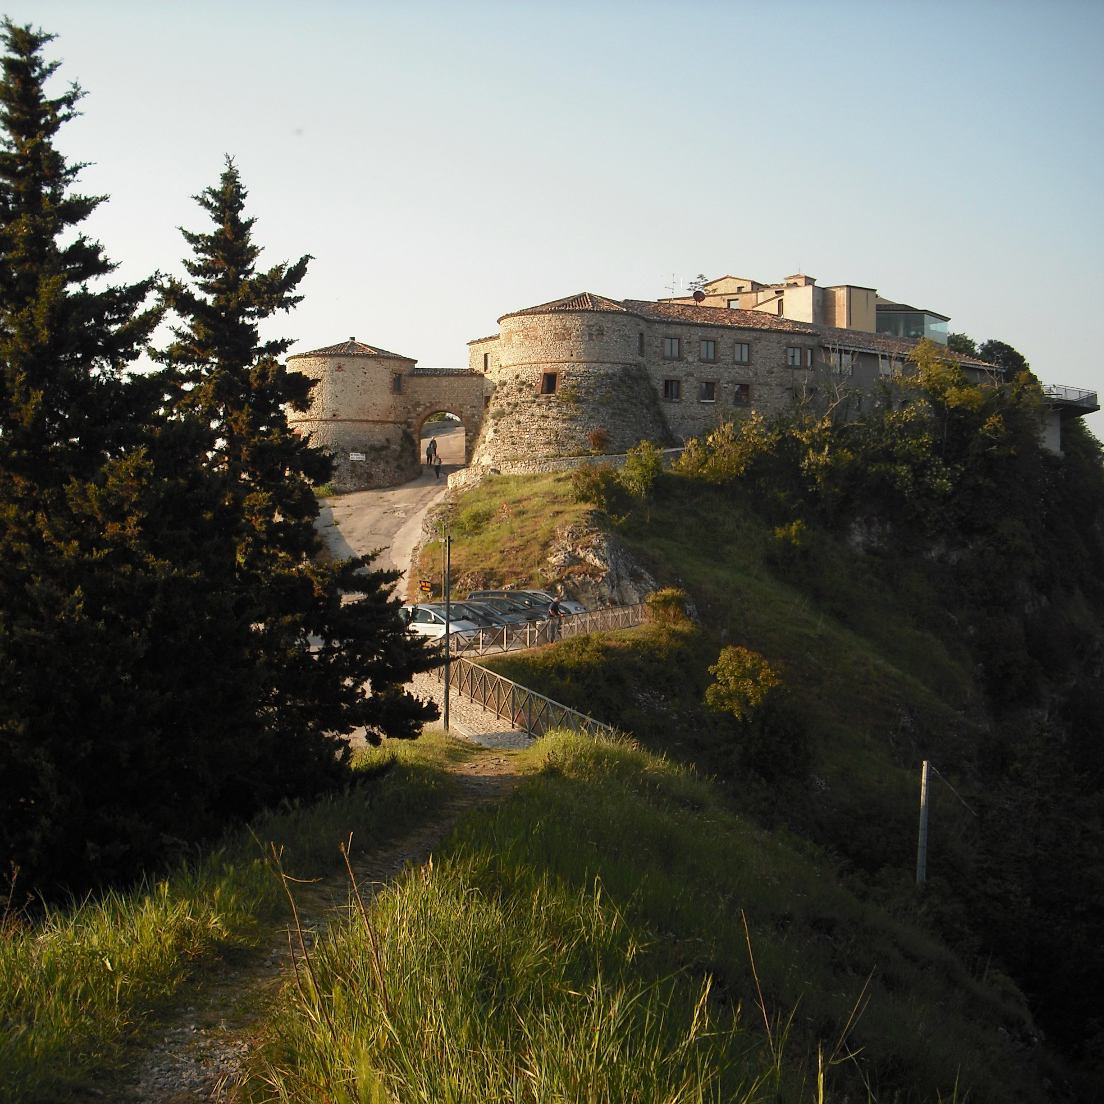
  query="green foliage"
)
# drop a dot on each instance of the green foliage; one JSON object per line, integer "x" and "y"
{"x": 669, "y": 606}
{"x": 643, "y": 466}
{"x": 596, "y": 484}
{"x": 742, "y": 679}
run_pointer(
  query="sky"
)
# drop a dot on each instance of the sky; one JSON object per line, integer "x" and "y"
{"x": 446, "y": 162}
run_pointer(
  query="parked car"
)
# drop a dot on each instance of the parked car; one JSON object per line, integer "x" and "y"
{"x": 429, "y": 620}
{"x": 482, "y": 613}
{"x": 538, "y": 600}
{"x": 510, "y": 607}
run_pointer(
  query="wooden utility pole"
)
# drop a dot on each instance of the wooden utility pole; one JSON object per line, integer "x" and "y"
{"x": 922, "y": 845}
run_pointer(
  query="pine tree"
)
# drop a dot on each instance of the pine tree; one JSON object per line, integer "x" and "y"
{"x": 328, "y": 650}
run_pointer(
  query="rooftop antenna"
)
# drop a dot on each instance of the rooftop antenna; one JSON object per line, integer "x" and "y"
{"x": 672, "y": 287}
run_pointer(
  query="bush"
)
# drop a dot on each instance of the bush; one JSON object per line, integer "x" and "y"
{"x": 643, "y": 466}
{"x": 668, "y": 606}
{"x": 597, "y": 484}
{"x": 599, "y": 440}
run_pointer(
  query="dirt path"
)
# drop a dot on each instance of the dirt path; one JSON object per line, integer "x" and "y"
{"x": 199, "y": 1054}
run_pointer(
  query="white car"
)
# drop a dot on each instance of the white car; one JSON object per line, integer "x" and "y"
{"x": 430, "y": 621}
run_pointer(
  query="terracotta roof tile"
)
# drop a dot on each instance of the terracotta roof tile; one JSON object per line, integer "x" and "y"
{"x": 717, "y": 316}
{"x": 583, "y": 301}
{"x": 352, "y": 348}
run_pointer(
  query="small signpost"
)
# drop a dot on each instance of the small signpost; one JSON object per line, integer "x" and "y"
{"x": 425, "y": 586}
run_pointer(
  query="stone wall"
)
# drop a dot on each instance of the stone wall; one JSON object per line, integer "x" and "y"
{"x": 368, "y": 407}
{"x": 563, "y": 381}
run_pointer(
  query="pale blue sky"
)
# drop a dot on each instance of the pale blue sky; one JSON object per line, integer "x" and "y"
{"x": 448, "y": 162}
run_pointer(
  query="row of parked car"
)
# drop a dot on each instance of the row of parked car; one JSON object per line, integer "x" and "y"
{"x": 485, "y": 609}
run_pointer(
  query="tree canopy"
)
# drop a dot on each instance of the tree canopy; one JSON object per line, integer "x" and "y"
{"x": 174, "y": 651}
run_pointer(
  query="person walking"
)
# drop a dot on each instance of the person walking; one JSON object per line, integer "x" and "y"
{"x": 431, "y": 450}
{"x": 555, "y": 617}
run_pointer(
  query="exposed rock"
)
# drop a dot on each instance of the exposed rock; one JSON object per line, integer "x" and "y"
{"x": 596, "y": 569}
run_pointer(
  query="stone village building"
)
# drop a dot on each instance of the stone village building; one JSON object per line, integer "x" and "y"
{"x": 561, "y": 377}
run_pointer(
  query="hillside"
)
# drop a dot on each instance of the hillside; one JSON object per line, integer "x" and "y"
{"x": 921, "y": 598}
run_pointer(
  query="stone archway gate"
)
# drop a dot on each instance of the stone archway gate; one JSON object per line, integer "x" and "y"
{"x": 368, "y": 407}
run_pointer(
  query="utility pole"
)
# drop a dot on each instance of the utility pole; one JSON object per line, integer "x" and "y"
{"x": 448, "y": 625}
{"x": 922, "y": 845}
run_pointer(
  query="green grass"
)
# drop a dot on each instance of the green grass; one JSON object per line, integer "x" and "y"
{"x": 77, "y": 984}
{"x": 585, "y": 940}
{"x": 502, "y": 530}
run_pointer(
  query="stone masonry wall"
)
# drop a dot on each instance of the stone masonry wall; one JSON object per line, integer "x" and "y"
{"x": 367, "y": 411}
{"x": 600, "y": 384}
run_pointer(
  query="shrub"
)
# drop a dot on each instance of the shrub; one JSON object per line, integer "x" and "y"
{"x": 643, "y": 466}
{"x": 595, "y": 483}
{"x": 599, "y": 440}
{"x": 668, "y": 606}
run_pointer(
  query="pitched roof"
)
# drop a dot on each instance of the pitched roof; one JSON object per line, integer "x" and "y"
{"x": 717, "y": 316}
{"x": 352, "y": 348}
{"x": 583, "y": 301}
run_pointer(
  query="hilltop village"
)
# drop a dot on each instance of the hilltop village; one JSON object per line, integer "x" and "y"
{"x": 586, "y": 374}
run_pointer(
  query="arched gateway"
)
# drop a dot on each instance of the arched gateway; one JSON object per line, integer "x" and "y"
{"x": 368, "y": 407}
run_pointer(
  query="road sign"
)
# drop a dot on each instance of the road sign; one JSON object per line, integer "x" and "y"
{"x": 425, "y": 586}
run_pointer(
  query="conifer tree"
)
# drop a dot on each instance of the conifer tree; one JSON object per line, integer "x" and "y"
{"x": 67, "y": 413}
{"x": 327, "y": 650}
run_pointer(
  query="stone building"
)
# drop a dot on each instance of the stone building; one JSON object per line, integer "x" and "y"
{"x": 368, "y": 407}
{"x": 589, "y": 374}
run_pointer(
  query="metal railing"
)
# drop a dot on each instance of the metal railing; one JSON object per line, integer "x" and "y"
{"x": 1074, "y": 395}
{"x": 522, "y": 708}
{"x": 533, "y": 634}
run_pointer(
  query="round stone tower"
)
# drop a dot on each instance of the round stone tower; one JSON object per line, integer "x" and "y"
{"x": 358, "y": 413}
{"x": 569, "y": 379}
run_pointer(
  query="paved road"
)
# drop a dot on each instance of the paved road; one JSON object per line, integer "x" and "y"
{"x": 390, "y": 519}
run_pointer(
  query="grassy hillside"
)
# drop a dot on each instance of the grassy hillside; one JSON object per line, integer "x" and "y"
{"x": 879, "y": 675}
{"x": 615, "y": 931}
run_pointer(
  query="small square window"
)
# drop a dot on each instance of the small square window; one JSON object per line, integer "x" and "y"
{"x": 743, "y": 353}
{"x": 743, "y": 394}
{"x": 672, "y": 348}
{"x": 548, "y": 383}
{"x": 396, "y": 383}
{"x": 793, "y": 356}
{"x": 708, "y": 351}
{"x": 708, "y": 391}
{"x": 672, "y": 390}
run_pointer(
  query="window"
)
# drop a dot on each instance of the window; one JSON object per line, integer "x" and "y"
{"x": 743, "y": 394}
{"x": 843, "y": 363}
{"x": 708, "y": 391}
{"x": 793, "y": 356}
{"x": 486, "y": 362}
{"x": 743, "y": 353}
{"x": 396, "y": 383}
{"x": 640, "y": 344}
{"x": 708, "y": 351}
{"x": 672, "y": 390}
{"x": 548, "y": 383}
{"x": 734, "y": 304}
{"x": 672, "y": 348}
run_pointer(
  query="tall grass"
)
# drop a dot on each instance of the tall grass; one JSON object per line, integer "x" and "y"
{"x": 589, "y": 939}
{"x": 76, "y": 984}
